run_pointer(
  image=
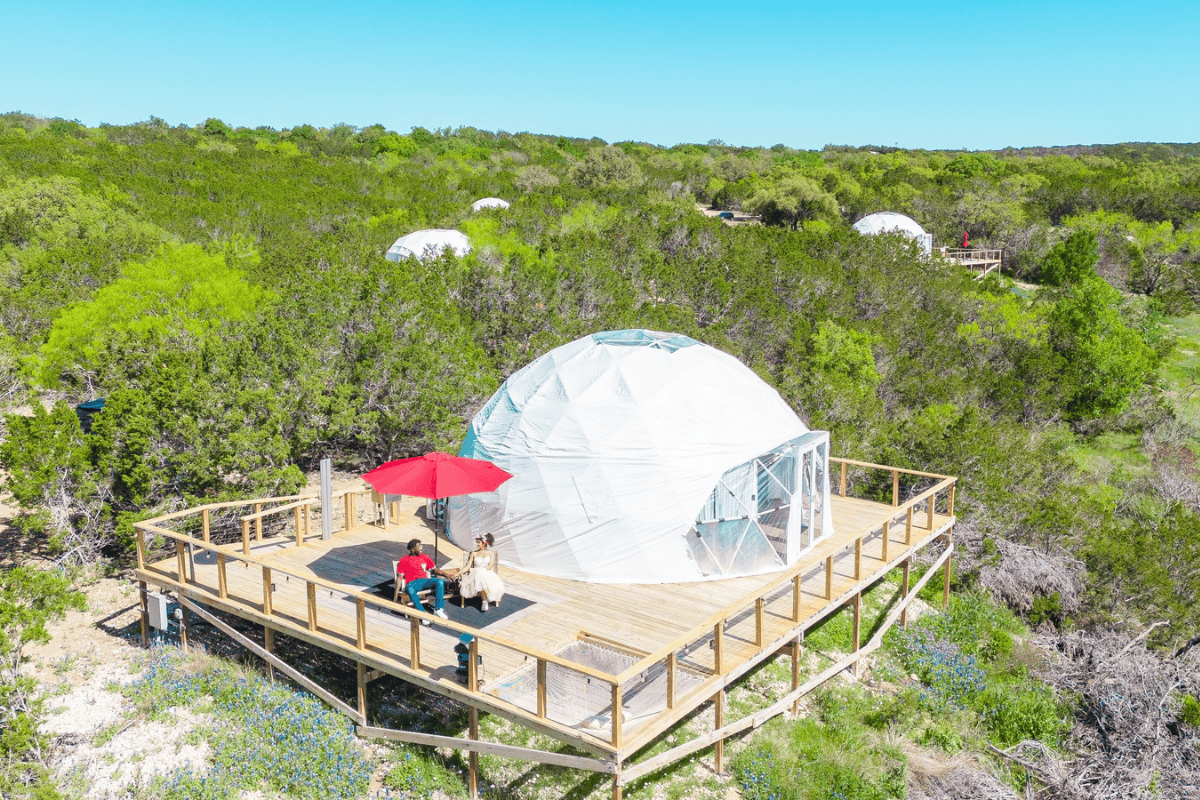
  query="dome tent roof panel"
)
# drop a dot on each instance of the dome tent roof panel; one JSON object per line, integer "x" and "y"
{"x": 887, "y": 221}
{"x": 616, "y": 442}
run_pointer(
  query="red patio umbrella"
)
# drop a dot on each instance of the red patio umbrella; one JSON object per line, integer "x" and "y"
{"x": 435, "y": 476}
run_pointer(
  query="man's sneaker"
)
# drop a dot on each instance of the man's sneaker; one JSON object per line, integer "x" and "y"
{"x": 484, "y": 606}
{"x": 426, "y": 622}
{"x": 437, "y": 612}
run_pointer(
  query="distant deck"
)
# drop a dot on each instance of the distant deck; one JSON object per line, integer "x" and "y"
{"x": 675, "y": 646}
{"x": 979, "y": 260}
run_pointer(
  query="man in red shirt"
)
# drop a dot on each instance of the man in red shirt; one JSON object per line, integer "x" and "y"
{"x": 416, "y": 569}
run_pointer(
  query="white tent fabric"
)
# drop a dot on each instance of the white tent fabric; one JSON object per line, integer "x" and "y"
{"x": 617, "y": 443}
{"x": 888, "y": 221}
{"x": 428, "y": 244}
{"x": 489, "y": 202}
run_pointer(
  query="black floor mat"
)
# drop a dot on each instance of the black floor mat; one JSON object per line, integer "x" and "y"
{"x": 471, "y": 615}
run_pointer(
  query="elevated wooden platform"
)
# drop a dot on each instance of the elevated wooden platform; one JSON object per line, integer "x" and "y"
{"x": 979, "y": 260}
{"x": 666, "y": 649}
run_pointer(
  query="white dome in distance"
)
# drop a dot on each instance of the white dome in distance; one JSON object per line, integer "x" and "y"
{"x": 428, "y": 244}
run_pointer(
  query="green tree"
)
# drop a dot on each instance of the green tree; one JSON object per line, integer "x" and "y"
{"x": 790, "y": 201}
{"x": 1071, "y": 261}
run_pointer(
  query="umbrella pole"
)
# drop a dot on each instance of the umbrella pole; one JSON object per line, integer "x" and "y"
{"x": 439, "y": 514}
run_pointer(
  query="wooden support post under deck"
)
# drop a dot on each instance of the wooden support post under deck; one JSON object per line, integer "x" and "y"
{"x": 829, "y": 577}
{"x": 618, "y": 714}
{"x": 719, "y": 715}
{"x": 904, "y": 592}
{"x": 908, "y": 528}
{"x": 895, "y": 487}
{"x": 267, "y": 606}
{"x": 946, "y": 573}
{"x": 472, "y": 756}
{"x": 246, "y": 537}
{"x": 144, "y": 602}
{"x": 858, "y": 559}
{"x": 360, "y": 616}
{"x": 269, "y": 646}
{"x": 843, "y": 487}
{"x": 718, "y": 661}
{"x": 204, "y": 531}
{"x": 222, "y": 581}
{"x": 886, "y": 525}
{"x": 312, "y": 605}
{"x": 671, "y": 680}
{"x": 361, "y": 674}
{"x": 183, "y": 629}
{"x": 258, "y": 522}
{"x": 541, "y": 688}
{"x": 616, "y": 784}
{"x": 796, "y": 597}
{"x": 857, "y": 605}
{"x": 296, "y": 522}
{"x": 796, "y": 653}
{"x": 180, "y": 561}
{"x": 758, "y": 622}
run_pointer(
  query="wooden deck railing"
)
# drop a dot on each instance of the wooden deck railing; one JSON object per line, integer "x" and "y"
{"x": 224, "y": 554}
{"x": 667, "y": 658}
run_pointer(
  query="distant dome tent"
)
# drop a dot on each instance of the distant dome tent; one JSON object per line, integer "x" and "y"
{"x": 645, "y": 457}
{"x": 428, "y": 243}
{"x": 489, "y": 202}
{"x": 888, "y": 221}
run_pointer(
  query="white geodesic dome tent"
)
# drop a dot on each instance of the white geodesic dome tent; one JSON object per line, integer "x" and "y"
{"x": 645, "y": 457}
{"x": 489, "y": 202}
{"x": 888, "y": 221}
{"x": 428, "y": 244}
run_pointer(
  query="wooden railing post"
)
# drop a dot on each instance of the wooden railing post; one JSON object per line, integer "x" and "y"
{"x": 796, "y": 597}
{"x": 258, "y": 522}
{"x": 895, "y": 487}
{"x": 617, "y": 714}
{"x": 950, "y": 501}
{"x": 349, "y": 501}
{"x": 473, "y": 665}
{"x": 245, "y": 537}
{"x": 360, "y": 615}
{"x": 141, "y": 548}
{"x": 843, "y": 486}
{"x": 718, "y": 648}
{"x": 858, "y": 559}
{"x": 222, "y": 582}
{"x": 908, "y": 527}
{"x": 306, "y": 510}
{"x": 829, "y": 577}
{"x": 268, "y": 606}
{"x": 758, "y": 622}
{"x": 299, "y": 530}
{"x": 312, "y": 605}
{"x": 541, "y": 688}
{"x": 671, "y": 680}
{"x": 204, "y": 531}
{"x": 929, "y": 505}
{"x": 886, "y": 525}
{"x": 414, "y": 645}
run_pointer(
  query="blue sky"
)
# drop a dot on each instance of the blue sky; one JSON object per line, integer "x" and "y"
{"x": 928, "y": 74}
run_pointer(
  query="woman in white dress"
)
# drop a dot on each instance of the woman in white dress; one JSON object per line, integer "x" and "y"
{"x": 480, "y": 576}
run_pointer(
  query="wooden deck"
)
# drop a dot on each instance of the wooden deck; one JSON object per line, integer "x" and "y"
{"x": 979, "y": 261}
{"x": 670, "y": 647}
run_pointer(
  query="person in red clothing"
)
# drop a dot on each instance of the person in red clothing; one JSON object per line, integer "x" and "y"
{"x": 418, "y": 571}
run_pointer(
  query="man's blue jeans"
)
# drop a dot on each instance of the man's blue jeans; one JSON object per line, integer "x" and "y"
{"x": 439, "y": 591}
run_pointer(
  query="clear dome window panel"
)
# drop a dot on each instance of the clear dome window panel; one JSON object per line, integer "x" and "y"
{"x": 755, "y": 554}
{"x": 776, "y": 483}
{"x": 701, "y": 554}
{"x": 724, "y": 540}
{"x": 731, "y": 497}
{"x": 774, "y": 526}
